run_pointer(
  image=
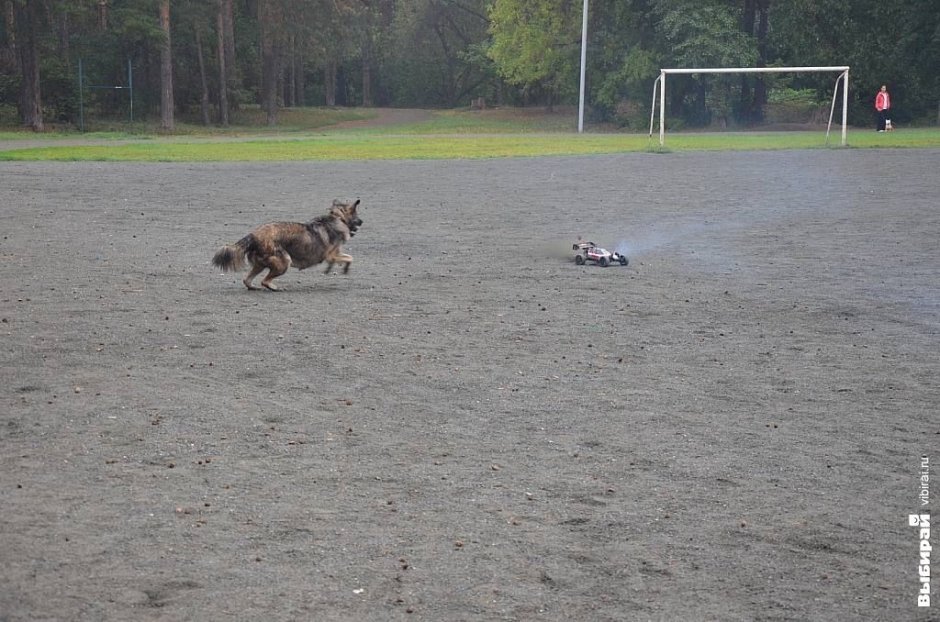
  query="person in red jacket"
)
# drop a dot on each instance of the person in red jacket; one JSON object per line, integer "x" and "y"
{"x": 883, "y": 105}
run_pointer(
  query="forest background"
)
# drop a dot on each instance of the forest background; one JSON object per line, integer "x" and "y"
{"x": 203, "y": 60}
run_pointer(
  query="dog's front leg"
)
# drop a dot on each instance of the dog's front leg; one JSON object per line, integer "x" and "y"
{"x": 346, "y": 260}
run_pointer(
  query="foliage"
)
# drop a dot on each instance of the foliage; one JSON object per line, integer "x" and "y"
{"x": 622, "y": 61}
{"x": 535, "y": 42}
{"x": 443, "y": 53}
{"x": 437, "y": 53}
{"x": 894, "y": 43}
{"x": 794, "y": 96}
{"x": 703, "y": 34}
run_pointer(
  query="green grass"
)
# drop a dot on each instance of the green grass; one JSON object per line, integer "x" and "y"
{"x": 307, "y": 135}
{"x": 341, "y": 147}
{"x": 857, "y": 138}
{"x": 248, "y": 121}
{"x": 496, "y": 121}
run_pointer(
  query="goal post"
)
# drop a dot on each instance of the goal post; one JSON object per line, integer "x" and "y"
{"x": 659, "y": 87}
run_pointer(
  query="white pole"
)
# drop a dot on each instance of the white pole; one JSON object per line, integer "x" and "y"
{"x": 662, "y": 108}
{"x": 756, "y": 69}
{"x": 653, "y": 107}
{"x": 845, "y": 105}
{"x": 832, "y": 108}
{"x": 584, "y": 20}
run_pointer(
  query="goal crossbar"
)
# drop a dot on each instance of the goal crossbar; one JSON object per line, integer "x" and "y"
{"x": 661, "y": 90}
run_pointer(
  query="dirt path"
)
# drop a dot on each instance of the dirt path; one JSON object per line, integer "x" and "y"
{"x": 469, "y": 426}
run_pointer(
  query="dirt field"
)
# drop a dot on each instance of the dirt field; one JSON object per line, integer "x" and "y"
{"x": 469, "y": 426}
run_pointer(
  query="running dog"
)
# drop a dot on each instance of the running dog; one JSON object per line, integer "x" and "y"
{"x": 277, "y": 246}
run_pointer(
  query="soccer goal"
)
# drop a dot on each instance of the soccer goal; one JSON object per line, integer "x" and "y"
{"x": 659, "y": 87}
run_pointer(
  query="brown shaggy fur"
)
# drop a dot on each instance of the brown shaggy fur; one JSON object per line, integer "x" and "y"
{"x": 277, "y": 246}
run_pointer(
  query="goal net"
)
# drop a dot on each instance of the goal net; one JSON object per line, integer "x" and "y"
{"x": 659, "y": 91}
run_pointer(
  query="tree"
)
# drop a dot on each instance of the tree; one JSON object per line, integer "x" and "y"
{"x": 27, "y": 30}
{"x": 897, "y": 43}
{"x": 269, "y": 22}
{"x": 222, "y": 24}
{"x": 624, "y": 58}
{"x": 704, "y": 34}
{"x": 228, "y": 50}
{"x": 437, "y": 53}
{"x": 166, "y": 70}
{"x": 536, "y": 43}
{"x": 755, "y": 21}
{"x": 203, "y": 80}
{"x": 444, "y": 52}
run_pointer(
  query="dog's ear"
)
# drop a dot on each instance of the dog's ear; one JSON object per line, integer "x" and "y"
{"x": 346, "y": 204}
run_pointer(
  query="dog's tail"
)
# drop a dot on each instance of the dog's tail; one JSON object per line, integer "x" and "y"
{"x": 231, "y": 257}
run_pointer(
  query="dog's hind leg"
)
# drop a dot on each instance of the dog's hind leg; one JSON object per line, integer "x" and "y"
{"x": 256, "y": 269}
{"x": 277, "y": 265}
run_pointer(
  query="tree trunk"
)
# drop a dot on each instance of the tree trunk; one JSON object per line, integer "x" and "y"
{"x": 760, "y": 87}
{"x": 290, "y": 81}
{"x": 367, "y": 76}
{"x": 329, "y": 82}
{"x": 223, "y": 76}
{"x": 26, "y": 19}
{"x": 202, "y": 76}
{"x": 748, "y": 18}
{"x": 269, "y": 64}
{"x": 9, "y": 22}
{"x": 300, "y": 98}
{"x": 231, "y": 68}
{"x": 448, "y": 76}
{"x": 62, "y": 28}
{"x": 228, "y": 14}
{"x": 102, "y": 14}
{"x": 166, "y": 70}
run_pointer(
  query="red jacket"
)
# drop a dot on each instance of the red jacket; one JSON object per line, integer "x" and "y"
{"x": 882, "y": 101}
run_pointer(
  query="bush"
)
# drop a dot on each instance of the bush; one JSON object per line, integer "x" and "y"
{"x": 793, "y": 96}
{"x": 786, "y": 105}
{"x": 59, "y": 92}
{"x": 632, "y": 114}
{"x": 9, "y": 115}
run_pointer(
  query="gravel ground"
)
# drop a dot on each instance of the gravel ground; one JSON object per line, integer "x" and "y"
{"x": 468, "y": 426}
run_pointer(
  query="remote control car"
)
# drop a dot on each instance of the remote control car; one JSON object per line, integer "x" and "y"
{"x": 589, "y": 251}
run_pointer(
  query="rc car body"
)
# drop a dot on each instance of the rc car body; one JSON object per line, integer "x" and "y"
{"x": 589, "y": 251}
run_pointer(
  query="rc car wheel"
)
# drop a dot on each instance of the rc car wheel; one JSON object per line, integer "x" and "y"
{"x": 603, "y": 261}
{"x": 624, "y": 261}
{"x": 579, "y": 259}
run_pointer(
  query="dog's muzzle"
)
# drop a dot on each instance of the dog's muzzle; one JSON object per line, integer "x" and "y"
{"x": 354, "y": 226}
